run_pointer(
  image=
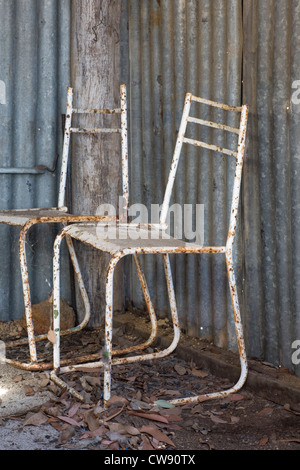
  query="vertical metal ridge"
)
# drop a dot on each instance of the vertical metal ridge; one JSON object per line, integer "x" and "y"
{"x": 219, "y": 180}
{"x": 282, "y": 156}
{"x": 295, "y": 171}
{"x": 254, "y": 294}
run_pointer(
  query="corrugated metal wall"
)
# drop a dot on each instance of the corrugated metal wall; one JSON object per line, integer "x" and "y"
{"x": 271, "y": 182}
{"x": 34, "y": 74}
{"x": 170, "y": 47}
{"x": 174, "y": 47}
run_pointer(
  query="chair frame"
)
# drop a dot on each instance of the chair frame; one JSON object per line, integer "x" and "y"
{"x": 27, "y": 218}
{"x": 86, "y": 234}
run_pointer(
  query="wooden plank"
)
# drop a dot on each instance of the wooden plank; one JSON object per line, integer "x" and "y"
{"x": 96, "y": 159}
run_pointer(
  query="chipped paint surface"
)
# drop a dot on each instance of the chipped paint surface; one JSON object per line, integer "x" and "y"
{"x": 30, "y": 217}
{"x": 122, "y": 246}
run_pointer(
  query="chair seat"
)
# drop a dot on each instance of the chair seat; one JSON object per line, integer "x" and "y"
{"x": 114, "y": 239}
{"x": 20, "y": 217}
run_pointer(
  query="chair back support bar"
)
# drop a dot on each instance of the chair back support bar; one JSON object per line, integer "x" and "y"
{"x": 73, "y": 130}
{"x": 238, "y": 154}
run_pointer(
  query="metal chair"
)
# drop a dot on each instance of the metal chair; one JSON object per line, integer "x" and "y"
{"x": 155, "y": 240}
{"x": 26, "y": 218}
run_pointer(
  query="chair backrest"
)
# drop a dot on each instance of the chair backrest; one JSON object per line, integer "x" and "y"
{"x": 70, "y": 111}
{"x": 238, "y": 153}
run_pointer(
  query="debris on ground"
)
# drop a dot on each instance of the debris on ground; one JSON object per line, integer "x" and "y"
{"x": 140, "y": 416}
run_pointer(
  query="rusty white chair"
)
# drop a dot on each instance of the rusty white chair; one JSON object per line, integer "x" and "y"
{"x": 26, "y": 218}
{"x": 154, "y": 240}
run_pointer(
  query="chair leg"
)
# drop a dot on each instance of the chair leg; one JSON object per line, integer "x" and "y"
{"x": 175, "y": 321}
{"x": 107, "y": 356}
{"x": 56, "y": 294}
{"x": 107, "y": 353}
{"x": 151, "y": 311}
{"x": 240, "y": 341}
{"x": 26, "y": 293}
{"x": 108, "y": 332}
{"x": 86, "y": 302}
{"x": 109, "y": 362}
{"x": 148, "y": 303}
{"x": 31, "y": 338}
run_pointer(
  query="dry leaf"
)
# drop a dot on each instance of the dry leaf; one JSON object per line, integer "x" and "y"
{"x": 133, "y": 431}
{"x": 123, "y": 429}
{"x": 85, "y": 385}
{"x": 97, "y": 432}
{"x": 146, "y": 444}
{"x": 116, "y": 399}
{"x": 106, "y": 442}
{"x": 35, "y": 419}
{"x": 217, "y": 420}
{"x": 197, "y": 409}
{"x": 114, "y": 446}
{"x": 73, "y": 410}
{"x": 55, "y": 424}
{"x": 53, "y": 411}
{"x": 68, "y": 420}
{"x": 131, "y": 379}
{"x": 151, "y": 416}
{"x": 116, "y": 436}
{"x": 171, "y": 393}
{"x": 91, "y": 420}
{"x": 28, "y": 391}
{"x": 171, "y": 418}
{"x": 234, "y": 419}
{"x": 109, "y": 418}
{"x": 264, "y": 440}
{"x": 44, "y": 382}
{"x": 157, "y": 434}
{"x": 202, "y": 398}
{"x": 18, "y": 378}
{"x": 51, "y": 336}
{"x": 139, "y": 405}
{"x": 266, "y": 411}
{"x": 235, "y": 397}
{"x": 66, "y": 435}
{"x": 199, "y": 373}
{"x": 176, "y": 411}
{"x": 169, "y": 427}
{"x": 93, "y": 381}
{"x": 180, "y": 369}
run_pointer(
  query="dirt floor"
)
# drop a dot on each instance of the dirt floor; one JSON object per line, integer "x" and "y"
{"x": 140, "y": 416}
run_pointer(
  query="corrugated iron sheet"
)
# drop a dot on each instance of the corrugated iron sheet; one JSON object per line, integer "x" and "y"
{"x": 34, "y": 75}
{"x": 170, "y": 47}
{"x": 176, "y": 47}
{"x": 271, "y": 183}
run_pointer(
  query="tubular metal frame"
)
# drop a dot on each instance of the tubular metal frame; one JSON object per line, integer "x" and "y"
{"x": 27, "y": 218}
{"x": 87, "y": 233}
